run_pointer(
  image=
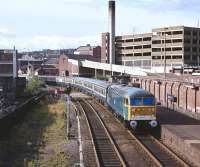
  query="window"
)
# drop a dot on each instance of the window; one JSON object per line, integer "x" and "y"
{"x": 194, "y": 49}
{"x": 138, "y": 47}
{"x": 148, "y": 101}
{"x": 136, "y": 101}
{"x": 194, "y": 41}
{"x": 156, "y": 42}
{"x": 147, "y": 39}
{"x": 177, "y": 49}
{"x": 156, "y": 49}
{"x": 125, "y": 101}
{"x": 187, "y": 49}
{"x": 147, "y": 54}
{"x": 138, "y": 54}
{"x": 146, "y": 46}
{"x": 177, "y": 40}
{"x": 138, "y": 40}
{"x": 129, "y": 40}
{"x": 177, "y": 32}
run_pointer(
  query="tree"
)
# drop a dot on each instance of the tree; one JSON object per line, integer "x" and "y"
{"x": 34, "y": 85}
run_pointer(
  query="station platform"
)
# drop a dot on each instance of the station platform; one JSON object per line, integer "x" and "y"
{"x": 181, "y": 133}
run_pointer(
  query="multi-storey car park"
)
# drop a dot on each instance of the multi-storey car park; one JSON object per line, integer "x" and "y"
{"x": 173, "y": 46}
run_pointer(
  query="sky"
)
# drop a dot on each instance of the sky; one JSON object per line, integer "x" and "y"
{"x": 57, "y": 24}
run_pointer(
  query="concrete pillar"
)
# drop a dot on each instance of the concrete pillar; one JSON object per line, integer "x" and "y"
{"x": 95, "y": 73}
{"x": 104, "y": 73}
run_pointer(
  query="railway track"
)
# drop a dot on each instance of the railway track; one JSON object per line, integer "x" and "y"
{"x": 106, "y": 151}
{"x": 157, "y": 152}
{"x": 161, "y": 154}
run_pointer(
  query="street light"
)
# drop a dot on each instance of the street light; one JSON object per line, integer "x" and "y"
{"x": 165, "y": 51}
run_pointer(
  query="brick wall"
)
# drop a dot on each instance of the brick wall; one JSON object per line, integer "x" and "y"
{"x": 188, "y": 98}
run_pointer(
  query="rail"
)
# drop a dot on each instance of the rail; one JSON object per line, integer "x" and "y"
{"x": 107, "y": 152}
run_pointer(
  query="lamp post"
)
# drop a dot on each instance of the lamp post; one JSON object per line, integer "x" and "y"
{"x": 165, "y": 61}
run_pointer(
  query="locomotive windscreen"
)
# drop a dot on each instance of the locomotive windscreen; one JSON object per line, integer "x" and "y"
{"x": 146, "y": 101}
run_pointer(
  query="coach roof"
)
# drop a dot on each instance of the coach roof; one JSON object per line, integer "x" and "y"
{"x": 130, "y": 91}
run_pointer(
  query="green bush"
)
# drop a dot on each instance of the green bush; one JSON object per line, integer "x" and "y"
{"x": 34, "y": 85}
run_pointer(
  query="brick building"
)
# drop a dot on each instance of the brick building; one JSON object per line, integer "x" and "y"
{"x": 49, "y": 67}
{"x": 180, "y": 46}
{"x": 69, "y": 64}
{"x": 93, "y": 51}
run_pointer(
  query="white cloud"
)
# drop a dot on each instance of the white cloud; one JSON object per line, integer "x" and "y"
{"x": 48, "y": 42}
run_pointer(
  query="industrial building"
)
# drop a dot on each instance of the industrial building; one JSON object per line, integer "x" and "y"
{"x": 7, "y": 63}
{"x": 171, "y": 46}
{"x": 93, "y": 51}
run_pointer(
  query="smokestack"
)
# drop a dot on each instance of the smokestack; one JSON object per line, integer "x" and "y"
{"x": 14, "y": 63}
{"x": 111, "y": 4}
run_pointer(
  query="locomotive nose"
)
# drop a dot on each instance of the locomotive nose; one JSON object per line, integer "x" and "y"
{"x": 133, "y": 124}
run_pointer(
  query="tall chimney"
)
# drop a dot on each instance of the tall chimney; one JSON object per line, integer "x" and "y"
{"x": 111, "y": 4}
{"x": 14, "y": 63}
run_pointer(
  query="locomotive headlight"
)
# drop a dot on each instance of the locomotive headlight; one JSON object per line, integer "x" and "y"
{"x": 153, "y": 123}
{"x": 133, "y": 124}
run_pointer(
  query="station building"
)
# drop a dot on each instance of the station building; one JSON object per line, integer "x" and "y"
{"x": 180, "y": 46}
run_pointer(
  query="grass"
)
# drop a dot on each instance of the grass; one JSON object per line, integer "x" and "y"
{"x": 37, "y": 140}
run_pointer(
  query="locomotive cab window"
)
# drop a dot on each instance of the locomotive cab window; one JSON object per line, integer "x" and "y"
{"x": 125, "y": 101}
{"x": 149, "y": 101}
{"x": 136, "y": 101}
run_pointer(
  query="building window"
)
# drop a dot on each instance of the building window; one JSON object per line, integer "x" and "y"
{"x": 194, "y": 41}
{"x": 156, "y": 57}
{"x": 177, "y": 40}
{"x": 146, "y": 46}
{"x": 194, "y": 57}
{"x": 194, "y": 49}
{"x": 187, "y": 57}
{"x": 177, "y": 32}
{"x": 147, "y": 39}
{"x": 177, "y": 57}
{"x": 167, "y": 49}
{"x": 187, "y": 49}
{"x": 177, "y": 49}
{"x": 137, "y": 54}
{"x": 187, "y": 41}
{"x": 130, "y": 47}
{"x": 168, "y": 41}
{"x": 156, "y": 49}
{"x": 138, "y": 40}
{"x": 147, "y": 54}
{"x": 138, "y": 47}
{"x": 187, "y": 32}
{"x": 129, "y": 40}
{"x": 156, "y": 42}
{"x": 194, "y": 33}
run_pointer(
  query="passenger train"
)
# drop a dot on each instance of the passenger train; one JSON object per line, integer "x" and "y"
{"x": 136, "y": 106}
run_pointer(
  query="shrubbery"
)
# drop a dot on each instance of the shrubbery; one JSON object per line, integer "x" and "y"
{"x": 34, "y": 85}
